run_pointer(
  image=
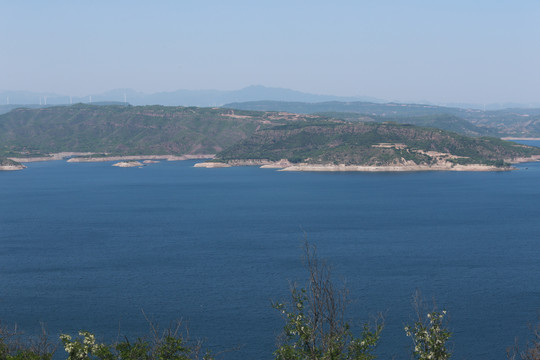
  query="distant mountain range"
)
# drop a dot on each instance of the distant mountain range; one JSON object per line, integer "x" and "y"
{"x": 208, "y": 98}
{"x": 202, "y": 98}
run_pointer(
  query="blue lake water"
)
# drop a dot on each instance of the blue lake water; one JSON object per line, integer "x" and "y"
{"x": 91, "y": 246}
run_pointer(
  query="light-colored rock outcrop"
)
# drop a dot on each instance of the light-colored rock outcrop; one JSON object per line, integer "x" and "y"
{"x": 11, "y": 167}
{"x": 125, "y": 164}
{"x": 211, "y": 165}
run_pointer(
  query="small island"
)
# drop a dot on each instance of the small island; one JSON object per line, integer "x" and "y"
{"x": 126, "y": 164}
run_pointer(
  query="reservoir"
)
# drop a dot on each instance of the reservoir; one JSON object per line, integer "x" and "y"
{"x": 105, "y": 249}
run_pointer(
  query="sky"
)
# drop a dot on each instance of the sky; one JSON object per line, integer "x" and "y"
{"x": 410, "y": 50}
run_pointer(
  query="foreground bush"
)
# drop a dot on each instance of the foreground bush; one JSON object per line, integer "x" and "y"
{"x": 532, "y": 349}
{"x": 170, "y": 345}
{"x": 315, "y": 325}
{"x": 15, "y": 346}
{"x": 429, "y": 338}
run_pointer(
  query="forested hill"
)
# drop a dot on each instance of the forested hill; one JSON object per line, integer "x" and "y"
{"x": 129, "y": 130}
{"x": 372, "y": 144}
{"x": 439, "y": 121}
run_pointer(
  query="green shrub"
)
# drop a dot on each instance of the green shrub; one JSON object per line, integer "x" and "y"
{"x": 315, "y": 327}
{"x": 429, "y": 333}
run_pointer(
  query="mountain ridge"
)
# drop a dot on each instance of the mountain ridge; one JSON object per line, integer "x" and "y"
{"x": 213, "y": 97}
{"x": 499, "y": 123}
{"x": 180, "y": 97}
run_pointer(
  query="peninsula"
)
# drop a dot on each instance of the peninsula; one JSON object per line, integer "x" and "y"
{"x": 343, "y": 146}
{"x": 10, "y": 165}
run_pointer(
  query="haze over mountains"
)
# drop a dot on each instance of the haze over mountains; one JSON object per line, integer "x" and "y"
{"x": 205, "y": 98}
{"x": 202, "y": 98}
{"x": 512, "y": 122}
{"x": 508, "y": 122}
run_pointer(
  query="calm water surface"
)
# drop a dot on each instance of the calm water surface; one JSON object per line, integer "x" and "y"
{"x": 91, "y": 246}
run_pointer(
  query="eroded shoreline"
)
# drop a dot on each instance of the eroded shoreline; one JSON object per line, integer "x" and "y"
{"x": 285, "y": 165}
{"x": 87, "y": 157}
{"x": 141, "y": 157}
{"x": 281, "y": 165}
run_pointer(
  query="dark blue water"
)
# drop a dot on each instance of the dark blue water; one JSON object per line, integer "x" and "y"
{"x": 91, "y": 246}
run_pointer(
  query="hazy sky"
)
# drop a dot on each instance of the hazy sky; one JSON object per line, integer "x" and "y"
{"x": 439, "y": 51}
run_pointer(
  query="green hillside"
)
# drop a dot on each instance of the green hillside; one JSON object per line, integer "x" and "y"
{"x": 128, "y": 130}
{"x": 337, "y": 142}
{"x": 440, "y": 121}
